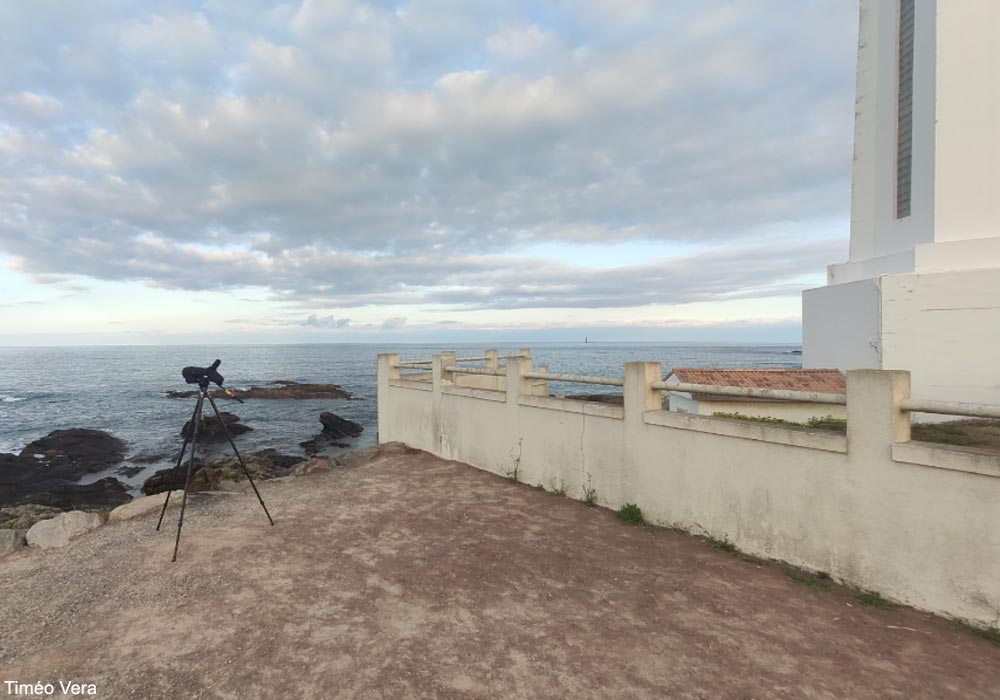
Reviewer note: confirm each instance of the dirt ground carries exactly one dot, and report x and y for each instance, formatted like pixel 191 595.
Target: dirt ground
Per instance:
pixel 412 577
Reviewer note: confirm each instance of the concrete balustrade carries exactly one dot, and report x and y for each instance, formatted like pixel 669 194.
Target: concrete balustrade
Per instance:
pixel 914 521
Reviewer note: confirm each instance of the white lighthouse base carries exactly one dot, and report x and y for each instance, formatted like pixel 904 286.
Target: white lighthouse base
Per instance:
pixel 943 327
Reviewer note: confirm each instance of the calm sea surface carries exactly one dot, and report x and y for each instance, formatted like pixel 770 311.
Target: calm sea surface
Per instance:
pixel 121 389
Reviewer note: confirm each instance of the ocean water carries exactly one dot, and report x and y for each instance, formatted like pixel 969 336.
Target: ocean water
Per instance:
pixel 122 389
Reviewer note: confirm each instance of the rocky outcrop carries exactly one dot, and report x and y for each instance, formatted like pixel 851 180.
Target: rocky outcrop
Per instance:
pixel 23 517
pixel 57 532
pixel 173 479
pixel 144 506
pixel 280 389
pixel 316 465
pixel 209 429
pixel 11 541
pixel 66 455
pixel 102 494
pixel 265 464
pixel 46 469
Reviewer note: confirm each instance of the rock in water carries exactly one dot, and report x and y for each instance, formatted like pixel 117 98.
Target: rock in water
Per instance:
pixel 339 428
pixel 72 454
pixel 335 429
pixel 58 531
pixel 210 431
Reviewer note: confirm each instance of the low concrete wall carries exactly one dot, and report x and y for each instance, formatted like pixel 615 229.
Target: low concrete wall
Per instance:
pixel 916 522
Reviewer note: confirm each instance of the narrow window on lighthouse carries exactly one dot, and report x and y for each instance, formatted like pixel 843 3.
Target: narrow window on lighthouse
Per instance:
pixel 904 145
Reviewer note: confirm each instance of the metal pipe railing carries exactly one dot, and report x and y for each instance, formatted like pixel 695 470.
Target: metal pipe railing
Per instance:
pixel 415 364
pixel 575 378
pixel 756 393
pixel 949 408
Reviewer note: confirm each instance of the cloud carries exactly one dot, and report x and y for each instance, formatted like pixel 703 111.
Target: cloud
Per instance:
pixel 352 153
pixel 314 321
pixel 393 323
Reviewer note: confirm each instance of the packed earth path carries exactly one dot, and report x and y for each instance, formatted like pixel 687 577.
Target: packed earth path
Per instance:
pixel 406 576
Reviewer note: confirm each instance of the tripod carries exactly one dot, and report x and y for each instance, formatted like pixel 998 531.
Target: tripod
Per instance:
pixel 202 376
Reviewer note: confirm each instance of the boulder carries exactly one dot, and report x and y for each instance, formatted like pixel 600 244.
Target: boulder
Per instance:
pixel 144 505
pixel 316 465
pixel 71 454
pixel 209 429
pixel 57 532
pixel 104 493
pixel 24 516
pixel 11 541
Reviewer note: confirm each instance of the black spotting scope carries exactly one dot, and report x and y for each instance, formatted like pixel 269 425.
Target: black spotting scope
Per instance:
pixel 203 375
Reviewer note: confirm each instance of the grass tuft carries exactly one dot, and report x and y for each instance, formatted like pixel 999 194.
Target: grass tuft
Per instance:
pixel 819 581
pixel 872 599
pixel 631 514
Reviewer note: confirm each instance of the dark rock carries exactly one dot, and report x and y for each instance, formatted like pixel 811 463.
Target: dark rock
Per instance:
pixel 320 443
pixel 104 493
pixel 209 429
pixel 281 389
pixel 173 478
pixel 66 454
pixel 129 471
pixel 338 427
pixel 335 429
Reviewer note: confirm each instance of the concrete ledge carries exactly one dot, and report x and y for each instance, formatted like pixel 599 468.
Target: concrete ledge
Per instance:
pixel 469 392
pixel 957 459
pixel 408 384
pixel 809 439
pixel 589 408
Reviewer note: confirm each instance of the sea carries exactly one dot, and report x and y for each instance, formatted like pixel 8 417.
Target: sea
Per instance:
pixel 122 389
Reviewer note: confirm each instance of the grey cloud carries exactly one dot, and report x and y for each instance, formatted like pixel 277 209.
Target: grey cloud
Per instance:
pixel 280 145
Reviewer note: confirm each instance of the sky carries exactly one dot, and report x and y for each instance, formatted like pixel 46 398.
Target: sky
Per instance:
pixel 420 170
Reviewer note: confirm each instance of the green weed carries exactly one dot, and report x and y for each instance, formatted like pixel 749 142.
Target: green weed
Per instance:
pixel 631 514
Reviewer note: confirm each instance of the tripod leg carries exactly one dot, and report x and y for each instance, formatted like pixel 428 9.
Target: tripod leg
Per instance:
pixel 240 458
pixel 177 466
pixel 187 480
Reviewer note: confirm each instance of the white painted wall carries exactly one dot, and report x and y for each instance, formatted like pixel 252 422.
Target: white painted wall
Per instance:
pixel 967 167
pixel 924 535
pixel 841 326
pixel 945 329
